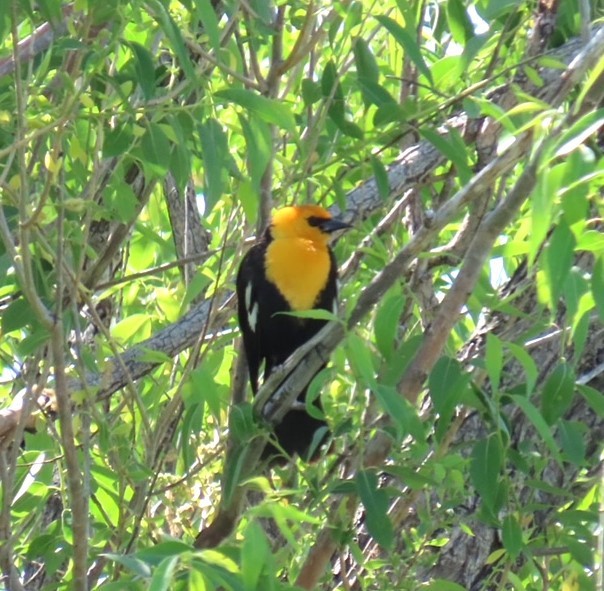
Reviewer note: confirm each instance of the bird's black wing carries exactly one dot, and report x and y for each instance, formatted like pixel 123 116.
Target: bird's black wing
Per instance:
pixel 247 283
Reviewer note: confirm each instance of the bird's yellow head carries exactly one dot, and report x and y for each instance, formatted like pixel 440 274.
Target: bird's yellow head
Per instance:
pixel 310 222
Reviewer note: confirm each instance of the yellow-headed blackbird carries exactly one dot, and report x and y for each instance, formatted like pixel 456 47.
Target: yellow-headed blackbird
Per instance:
pixel 291 268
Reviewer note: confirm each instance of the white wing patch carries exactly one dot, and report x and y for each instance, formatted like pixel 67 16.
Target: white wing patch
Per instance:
pixel 251 308
pixel 334 305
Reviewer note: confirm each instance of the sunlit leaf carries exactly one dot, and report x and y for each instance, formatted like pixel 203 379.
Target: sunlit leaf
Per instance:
pixel 579 132
pixel 459 22
pixel 408 43
pixel 269 110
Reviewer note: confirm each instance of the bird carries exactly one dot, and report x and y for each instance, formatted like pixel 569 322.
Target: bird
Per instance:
pixel 291 268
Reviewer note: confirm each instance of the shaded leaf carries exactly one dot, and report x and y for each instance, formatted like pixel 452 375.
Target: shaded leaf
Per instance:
pixel 511 535
pixel 172 31
pixel 485 469
pixel 366 65
pixel 145 69
pixel 375 502
pixel 572 437
pixel 597 285
pixel 557 393
pixel 558 260
pixel 387 321
pixel 539 423
pixel 214 147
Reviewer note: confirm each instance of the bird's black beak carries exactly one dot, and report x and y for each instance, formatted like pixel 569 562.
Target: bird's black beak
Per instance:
pixel 333 225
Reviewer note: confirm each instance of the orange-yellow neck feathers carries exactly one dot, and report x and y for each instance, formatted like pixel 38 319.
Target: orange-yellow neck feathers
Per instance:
pixel 297 259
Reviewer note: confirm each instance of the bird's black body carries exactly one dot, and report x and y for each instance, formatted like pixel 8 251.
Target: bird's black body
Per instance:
pixel 270 337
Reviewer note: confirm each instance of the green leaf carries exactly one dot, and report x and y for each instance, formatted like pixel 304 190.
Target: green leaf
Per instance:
pixel 594 398
pixel 594 77
pixel 572 437
pixel 330 84
pixel 387 322
pixel 262 9
pixel 135 327
pixel 459 22
pixel 590 240
pixel 315 314
pixel 192 423
pixel 557 393
pixel 311 91
pixel 135 565
pixel 511 534
pixel 163 577
pixel 403 414
pixel 573 290
pixel 366 65
pixel 447 385
pixel 388 113
pixel 377 95
pixel 145 69
pixel 196 580
pixel 156 150
pixel 259 142
pixel 485 470
pixel 375 502
pixel 535 417
pixel 452 150
pixel 172 32
pixel 207 15
pixel 180 164
pixel 214 147
pixel 155 555
pixel 269 110
pixel 559 258
pixel 582 551
pixel 542 202
pixel 586 127
pixel 528 364
pixel 360 359
pixel 494 360
pixel 255 553
pixel 408 43
pixel 597 285
pixel 120 200
pixel 249 197
pixel 118 140
pixel 349 128
pixel 17 315
pixel 234 471
pixel 241 422
pixel 381 178
pixel 153 356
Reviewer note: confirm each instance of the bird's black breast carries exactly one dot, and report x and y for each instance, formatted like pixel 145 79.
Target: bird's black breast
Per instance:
pixel 269 335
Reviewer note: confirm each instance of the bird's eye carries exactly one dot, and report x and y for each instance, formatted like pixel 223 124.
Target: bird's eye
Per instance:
pixel 316 221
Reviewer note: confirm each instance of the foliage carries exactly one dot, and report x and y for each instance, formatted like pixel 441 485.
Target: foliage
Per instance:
pixel 258 104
